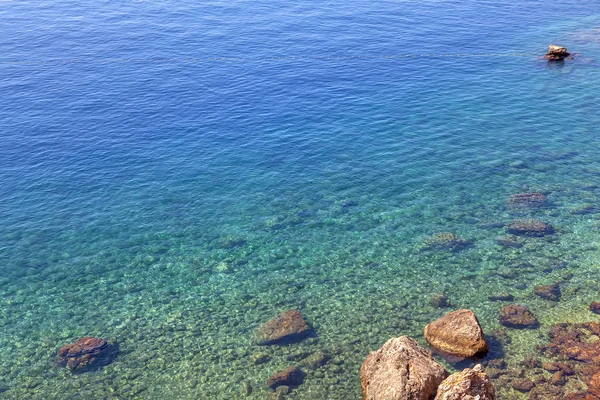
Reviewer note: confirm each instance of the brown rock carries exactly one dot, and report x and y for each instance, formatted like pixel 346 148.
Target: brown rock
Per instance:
pixel 457 334
pixel 86 353
pixel 291 376
pixel 558 366
pixel 527 200
pixel 468 384
pixel 581 396
pixel 579 345
pixel 401 370
pixel 531 362
pixel 445 241
pixel 547 392
pixel 558 378
pixel 556 53
pixel 549 292
pixel 517 316
pixel 595 308
pixel 523 384
pixel 530 227
pixel 288 327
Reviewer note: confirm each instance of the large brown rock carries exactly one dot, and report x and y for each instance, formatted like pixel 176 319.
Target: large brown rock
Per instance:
pixel 401 370
pixel 457 334
pixel 289 326
pixel 556 53
pixel 468 384
pixel 529 227
pixel 86 353
pixel 517 316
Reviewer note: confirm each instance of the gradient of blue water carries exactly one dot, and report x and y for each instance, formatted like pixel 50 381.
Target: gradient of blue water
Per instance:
pixel 100 158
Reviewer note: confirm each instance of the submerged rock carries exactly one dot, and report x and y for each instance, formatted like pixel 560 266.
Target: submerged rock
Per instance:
pixel 439 300
pixel 86 353
pixel 315 360
pixel 579 346
pixel 291 377
pixel 445 241
pixel 509 241
pixel 556 53
pixel 517 316
pixel 457 334
pixel 530 227
pixel 504 296
pixel 401 370
pixel 468 384
pixel 523 384
pixel 549 292
pixel 289 326
pixel 595 308
pixel 527 200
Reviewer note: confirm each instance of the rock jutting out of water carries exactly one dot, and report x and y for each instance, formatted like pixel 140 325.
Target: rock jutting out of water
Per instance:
pixel 556 53
pixel 518 316
pixel 527 200
pixel 445 241
pixel 548 292
pixel 529 227
pixel 401 370
pixel 288 327
pixel 291 376
pixel 457 334
pixel 468 384
pixel 86 354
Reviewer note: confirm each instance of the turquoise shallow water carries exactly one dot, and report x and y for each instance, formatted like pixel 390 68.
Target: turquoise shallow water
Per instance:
pixel 173 207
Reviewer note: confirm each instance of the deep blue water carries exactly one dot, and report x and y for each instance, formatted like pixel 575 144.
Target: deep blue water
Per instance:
pixel 174 205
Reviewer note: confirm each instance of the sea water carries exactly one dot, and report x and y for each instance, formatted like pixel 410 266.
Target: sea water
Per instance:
pixel 172 204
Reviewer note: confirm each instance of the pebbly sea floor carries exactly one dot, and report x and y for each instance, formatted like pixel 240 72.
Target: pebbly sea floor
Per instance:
pixel 174 207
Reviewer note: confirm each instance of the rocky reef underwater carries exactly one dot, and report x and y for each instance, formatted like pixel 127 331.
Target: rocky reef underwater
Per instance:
pixel 523 349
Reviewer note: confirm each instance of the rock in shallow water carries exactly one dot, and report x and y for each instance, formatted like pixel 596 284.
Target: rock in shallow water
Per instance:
pixel 509 241
pixel 523 384
pixel 288 327
pixel 595 308
pixel 549 292
pixel 439 300
pixel 291 376
pixel 401 370
pixel 503 296
pixel 578 346
pixel 517 316
pixel 527 200
pixel 457 334
pixel 469 384
pixel 445 241
pixel 530 227
pixel 86 354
